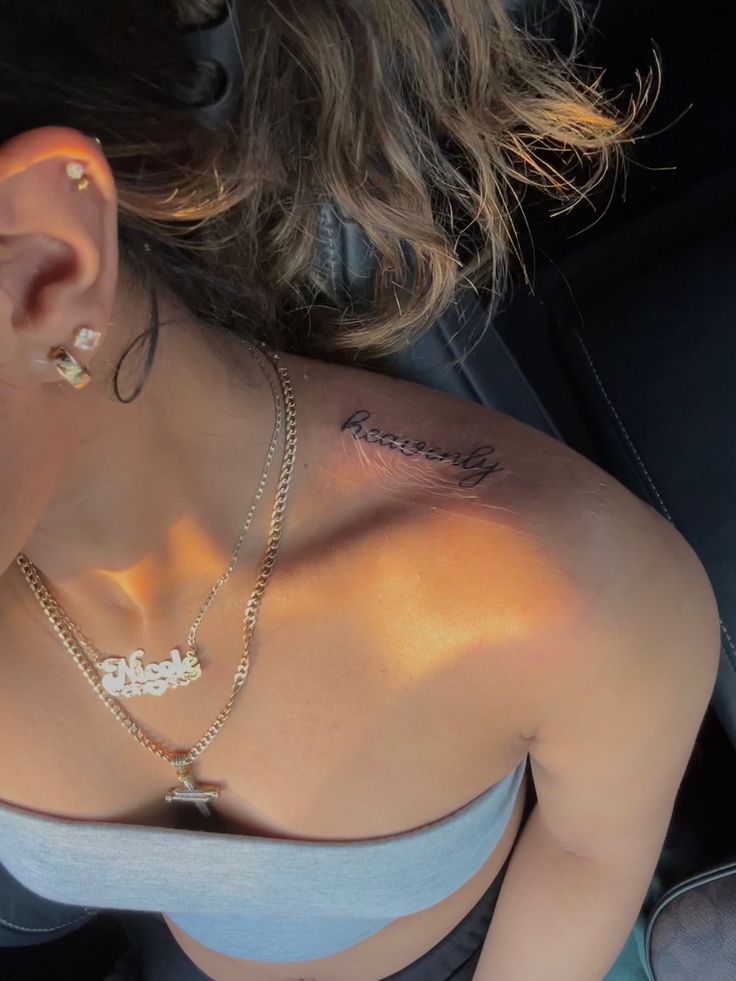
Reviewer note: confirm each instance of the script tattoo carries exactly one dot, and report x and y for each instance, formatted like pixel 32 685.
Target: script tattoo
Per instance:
pixel 476 460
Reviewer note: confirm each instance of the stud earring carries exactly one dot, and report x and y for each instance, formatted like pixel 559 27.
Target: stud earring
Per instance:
pixel 75 170
pixel 86 339
pixel 69 368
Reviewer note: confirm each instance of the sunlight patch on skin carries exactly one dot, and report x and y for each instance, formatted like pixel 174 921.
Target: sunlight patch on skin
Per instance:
pixel 192 550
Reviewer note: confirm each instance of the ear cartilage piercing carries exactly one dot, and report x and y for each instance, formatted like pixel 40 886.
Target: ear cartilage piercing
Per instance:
pixel 75 170
pixel 86 339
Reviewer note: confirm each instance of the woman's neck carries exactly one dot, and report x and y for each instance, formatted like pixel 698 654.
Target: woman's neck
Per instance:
pixel 147 513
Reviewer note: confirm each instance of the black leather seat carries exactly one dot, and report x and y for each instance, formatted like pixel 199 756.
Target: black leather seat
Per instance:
pixel 650 348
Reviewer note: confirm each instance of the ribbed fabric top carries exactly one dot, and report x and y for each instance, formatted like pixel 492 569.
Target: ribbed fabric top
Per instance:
pixel 266 899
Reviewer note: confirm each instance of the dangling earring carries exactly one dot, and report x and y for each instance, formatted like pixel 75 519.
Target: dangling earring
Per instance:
pixel 76 171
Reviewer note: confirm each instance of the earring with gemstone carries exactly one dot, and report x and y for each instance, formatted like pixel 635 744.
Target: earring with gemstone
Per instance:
pixel 86 339
pixel 75 170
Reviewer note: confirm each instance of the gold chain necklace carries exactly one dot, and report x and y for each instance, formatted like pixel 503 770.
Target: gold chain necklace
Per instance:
pixel 182 761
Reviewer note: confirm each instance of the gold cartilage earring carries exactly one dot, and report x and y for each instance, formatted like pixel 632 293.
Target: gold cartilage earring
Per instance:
pixel 69 368
pixel 76 171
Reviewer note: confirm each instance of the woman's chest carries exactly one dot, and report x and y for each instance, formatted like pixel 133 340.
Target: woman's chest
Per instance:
pixel 370 705
pixel 344 732
pixel 351 724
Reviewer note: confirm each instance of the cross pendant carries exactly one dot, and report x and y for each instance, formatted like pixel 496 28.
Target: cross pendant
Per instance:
pixel 192 793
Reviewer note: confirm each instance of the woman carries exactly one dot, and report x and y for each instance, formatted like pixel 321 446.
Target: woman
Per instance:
pixel 448 603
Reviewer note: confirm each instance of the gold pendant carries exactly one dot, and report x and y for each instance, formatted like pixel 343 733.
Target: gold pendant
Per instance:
pixel 193 793
pixel 127 678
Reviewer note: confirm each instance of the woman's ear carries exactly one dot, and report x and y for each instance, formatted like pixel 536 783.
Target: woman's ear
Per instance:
pixel 58 251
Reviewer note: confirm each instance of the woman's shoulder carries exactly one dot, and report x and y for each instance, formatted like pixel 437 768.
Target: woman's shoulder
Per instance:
pixel 525 535
pixel 503 508
pixel 435 452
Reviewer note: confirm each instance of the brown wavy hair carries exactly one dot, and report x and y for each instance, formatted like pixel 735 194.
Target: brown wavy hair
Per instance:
pixel 422 121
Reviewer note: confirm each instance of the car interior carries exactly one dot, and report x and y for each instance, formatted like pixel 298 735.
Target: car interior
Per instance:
pixel 622 345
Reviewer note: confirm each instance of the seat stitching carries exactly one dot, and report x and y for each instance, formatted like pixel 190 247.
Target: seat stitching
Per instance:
pixel 25 929
pixel 622 428
pixel 326 222
pixel 653 486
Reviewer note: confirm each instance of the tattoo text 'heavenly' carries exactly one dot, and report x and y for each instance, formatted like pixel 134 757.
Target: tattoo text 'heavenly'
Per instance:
pixel 476 460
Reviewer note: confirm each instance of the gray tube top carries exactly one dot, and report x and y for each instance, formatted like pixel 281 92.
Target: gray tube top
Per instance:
pixel 265 899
